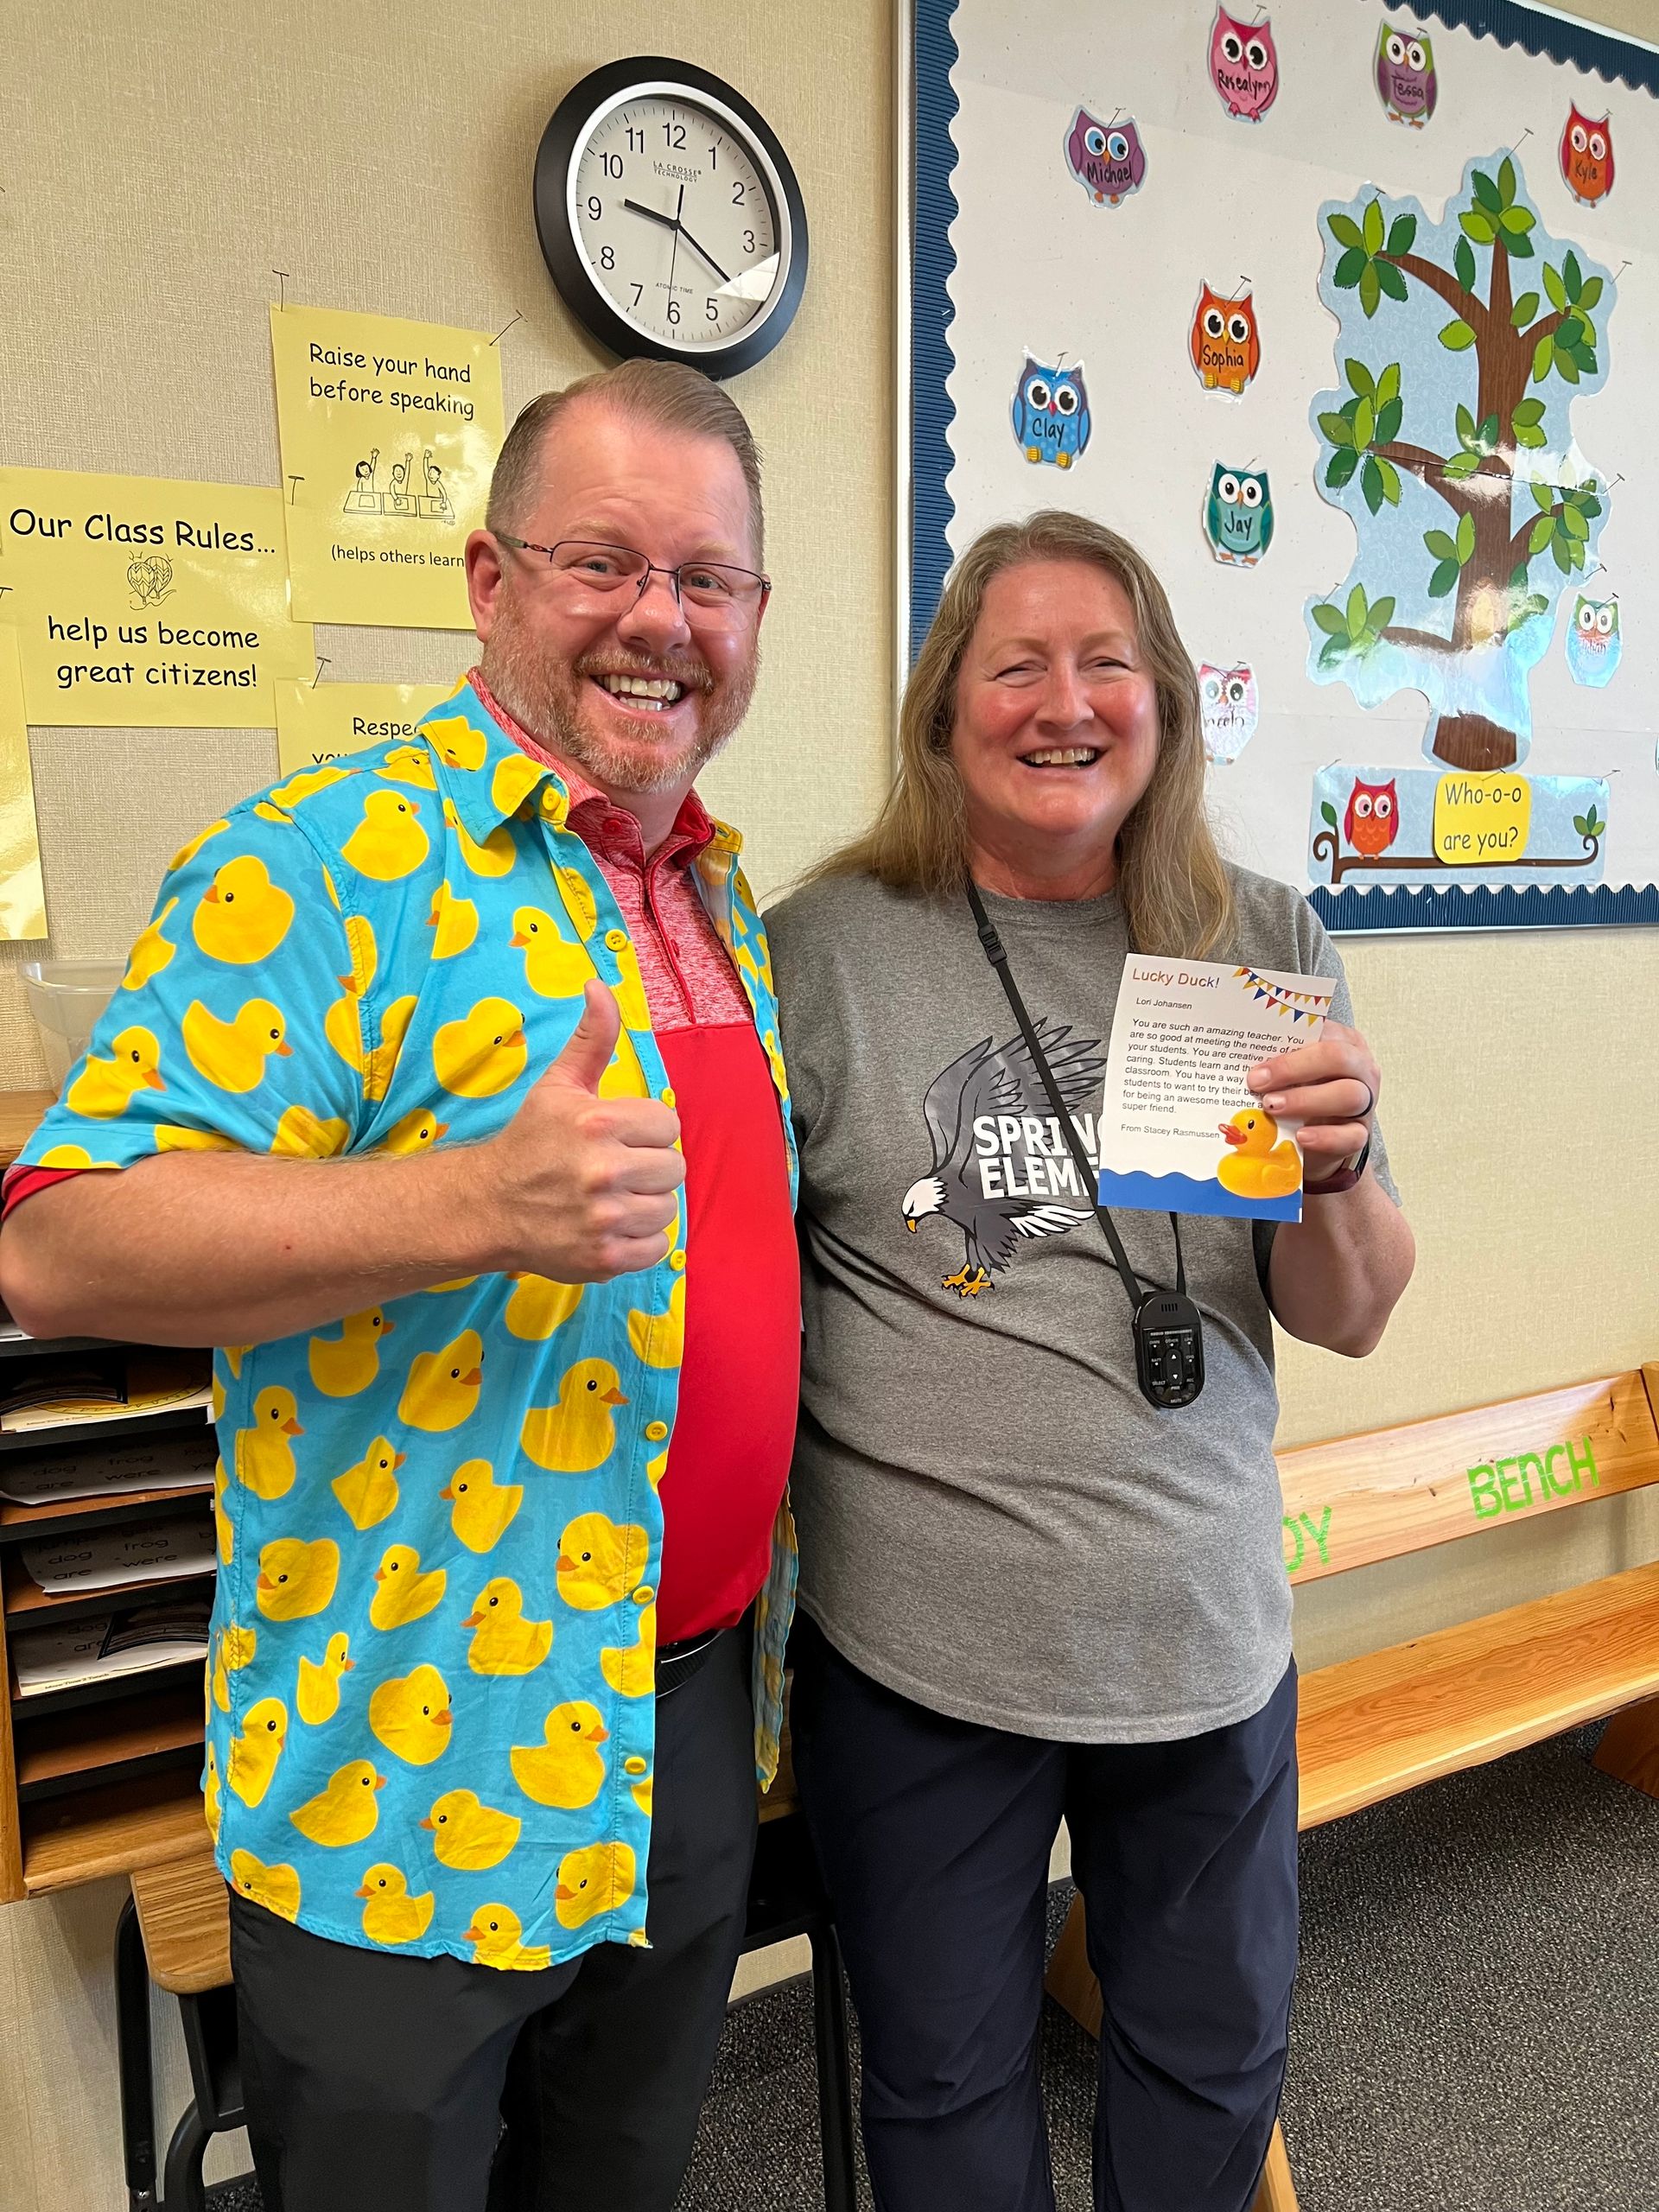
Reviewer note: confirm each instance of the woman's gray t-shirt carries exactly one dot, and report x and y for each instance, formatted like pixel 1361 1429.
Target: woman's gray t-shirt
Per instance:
pixel 993 1520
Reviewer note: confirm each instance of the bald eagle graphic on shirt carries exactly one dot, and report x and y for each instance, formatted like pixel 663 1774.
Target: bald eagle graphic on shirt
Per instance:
pixel 1002 1170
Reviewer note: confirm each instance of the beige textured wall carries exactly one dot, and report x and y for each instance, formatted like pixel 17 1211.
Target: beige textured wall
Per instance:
pixel 159 159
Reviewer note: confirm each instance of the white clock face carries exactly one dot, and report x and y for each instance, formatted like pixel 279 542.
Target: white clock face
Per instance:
pixel 677 217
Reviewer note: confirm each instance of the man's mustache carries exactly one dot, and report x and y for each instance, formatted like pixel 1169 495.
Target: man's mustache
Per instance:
pixel 694 674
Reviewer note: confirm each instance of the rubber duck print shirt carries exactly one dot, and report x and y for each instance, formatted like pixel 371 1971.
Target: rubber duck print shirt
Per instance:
pixel 430 1709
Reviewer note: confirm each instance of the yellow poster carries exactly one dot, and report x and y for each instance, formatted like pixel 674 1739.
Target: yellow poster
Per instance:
pixel 139 601
pixel 317 722
pixel 389 432
pixel 22 905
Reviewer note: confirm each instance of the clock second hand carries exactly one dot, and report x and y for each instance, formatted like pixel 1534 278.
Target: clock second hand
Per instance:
pixel 674 257
pixel 673 223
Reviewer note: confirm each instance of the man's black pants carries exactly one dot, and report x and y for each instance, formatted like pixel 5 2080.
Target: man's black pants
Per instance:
pixel 376 2083
pixel 933 1836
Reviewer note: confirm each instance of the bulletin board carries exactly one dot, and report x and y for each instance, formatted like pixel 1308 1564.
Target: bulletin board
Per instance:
pixel 1346 315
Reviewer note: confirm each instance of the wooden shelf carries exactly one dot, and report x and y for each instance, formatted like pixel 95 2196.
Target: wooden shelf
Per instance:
pixel 27 1605
pixel 128 1429
pixel 21 1113
pixel 140 1682
pixel 64 1744
pixel 111 1829
pixel 63 1515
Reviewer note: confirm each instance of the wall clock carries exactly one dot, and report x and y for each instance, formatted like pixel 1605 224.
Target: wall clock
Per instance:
pixel 669 216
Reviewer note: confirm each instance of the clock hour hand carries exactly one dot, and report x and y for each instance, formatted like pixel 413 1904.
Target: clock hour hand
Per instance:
pixel 704 251
pixel 668 222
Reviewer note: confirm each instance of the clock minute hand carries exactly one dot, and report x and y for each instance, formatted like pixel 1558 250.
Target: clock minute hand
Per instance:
pixel 704 251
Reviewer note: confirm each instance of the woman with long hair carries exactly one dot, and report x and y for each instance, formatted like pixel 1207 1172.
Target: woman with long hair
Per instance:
pixel 1028 1592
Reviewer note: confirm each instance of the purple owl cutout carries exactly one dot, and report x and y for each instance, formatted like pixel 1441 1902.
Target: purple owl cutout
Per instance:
pixel 1244 66
pixel 1107 159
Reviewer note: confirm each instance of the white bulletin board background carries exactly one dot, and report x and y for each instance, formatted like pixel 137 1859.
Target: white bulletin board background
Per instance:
pixel 1040 268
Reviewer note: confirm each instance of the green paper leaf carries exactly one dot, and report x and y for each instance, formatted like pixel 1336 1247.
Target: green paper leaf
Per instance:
pixel 1360 377
pixel 1529 434
pixel 1388 419
pixel 1575 521
pixel 1521 247
pixel 1364 424
pixel 1381 614
pixel 1461 465
pixel 1566 366
pixel 1388 384
pixel 1465 537
pixel 1466 422
pixel 1590 295
pixel 1541 532
pixel 1457 337
pixel 1441 544
pixel 1402 232
pixel 1337 428
pixel 1370 484
pixel 1486 193
pixel 1516 222
pixel 1329 619
pixel 1333 650
pixel 1543 495
pixel 1371 226
pixel 1573 276
pixel 1391 281
pixel 1355 619
pixel 1543 353
pixel 1506 182
pixel 1390 476
pixel 1347 231
pixel 1575 552
pixel 1462 260
pixel 1443 580
pixel 1581 823
pixel 1524 309
pixel 1328 812
pixel 1479 227
pixel 1557 547
pixel 1346 273
pixel 1371 288
pixel 1343 464
pixel 1554 287
pixel 1486 436
pixel 1528 411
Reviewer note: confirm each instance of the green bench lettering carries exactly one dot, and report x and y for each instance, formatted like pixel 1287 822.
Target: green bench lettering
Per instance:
pixel 1530 1478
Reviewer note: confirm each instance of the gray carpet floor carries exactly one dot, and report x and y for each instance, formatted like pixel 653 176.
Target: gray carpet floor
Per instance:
pixel 1476 2028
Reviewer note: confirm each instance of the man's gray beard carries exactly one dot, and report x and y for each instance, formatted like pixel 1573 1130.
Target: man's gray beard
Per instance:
pixel 543 696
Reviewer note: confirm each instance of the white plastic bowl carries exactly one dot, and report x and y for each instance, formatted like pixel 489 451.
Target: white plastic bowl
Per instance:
pixel 65 998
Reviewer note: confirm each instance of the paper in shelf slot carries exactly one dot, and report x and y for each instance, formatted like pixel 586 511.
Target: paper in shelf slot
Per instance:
pixel 148 1383
pixel 133 1641
pixel 177 1459
pixel 110 1559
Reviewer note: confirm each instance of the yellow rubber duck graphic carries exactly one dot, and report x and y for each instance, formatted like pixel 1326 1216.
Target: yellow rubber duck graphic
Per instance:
pixel 151 952
pixel 514 780
pixel 106 1087
pixel 318 1693
pixel 659 1339
pixel 504 1642
pixel 222 1528
pixel 212 1810
pixel 1259 1167
pixel 243 916
pixel 467 1836
pixel 343 1026
pixel 76 1156
pixel 307 783
pixel 483 1053
pixel 624 1078
pixel 568 1769
pixel 455 922
pixel 594 1879
pixel 632 1670
pixel 402 1593
pixel 456 743
pixel 263 1456
pixel 409 764
pixel 391 1916
pixel 539 1305
pixel 495 1935
pixel 416 1132
pixel 343 1365
pixel 368 1490
pixel 389 843
pixel 579 1434
pixel 441 1390
pixel 411 1715
pixel 479 1507
pixel 276 1888
pixel 578 897
pixel 639 1790
pixel 232 1055
pixel 297 1578
pixel 188 850
pixel 554 969
pixel 495 856
pixel 345 1811
pixel 301 1135
pixel 233 1648
pixel 600 1561
pixel 255 1752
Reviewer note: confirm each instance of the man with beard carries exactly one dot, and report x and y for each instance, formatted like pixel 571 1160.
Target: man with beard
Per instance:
pixel 443 1089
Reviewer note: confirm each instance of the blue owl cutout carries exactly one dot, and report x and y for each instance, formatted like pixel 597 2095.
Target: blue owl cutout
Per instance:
pixel 1238 515
pixel 1051 413
pixel 1594 643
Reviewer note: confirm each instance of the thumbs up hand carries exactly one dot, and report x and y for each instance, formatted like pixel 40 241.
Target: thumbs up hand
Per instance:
pixel 582 1188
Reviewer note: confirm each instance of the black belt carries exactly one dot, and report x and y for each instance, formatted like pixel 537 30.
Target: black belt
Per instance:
pixel 677 1662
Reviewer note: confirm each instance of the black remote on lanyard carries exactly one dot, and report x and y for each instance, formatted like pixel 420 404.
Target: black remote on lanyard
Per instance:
pixel 1168 1327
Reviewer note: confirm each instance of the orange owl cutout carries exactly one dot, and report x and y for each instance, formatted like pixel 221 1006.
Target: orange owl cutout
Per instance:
pixel 1372 821
pixel 1587 158
pixel 1225 343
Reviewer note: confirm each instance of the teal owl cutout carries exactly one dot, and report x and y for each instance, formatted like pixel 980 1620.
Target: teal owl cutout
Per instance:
pixel 1593 643
pixel 1238 515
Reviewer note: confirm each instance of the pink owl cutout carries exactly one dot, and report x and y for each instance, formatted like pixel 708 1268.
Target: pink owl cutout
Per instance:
pixel 1244 66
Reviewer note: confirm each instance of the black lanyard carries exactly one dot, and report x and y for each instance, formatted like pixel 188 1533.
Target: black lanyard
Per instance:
pixel 1167 1328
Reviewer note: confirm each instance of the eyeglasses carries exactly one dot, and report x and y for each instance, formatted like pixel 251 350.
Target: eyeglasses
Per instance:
pixel 710 586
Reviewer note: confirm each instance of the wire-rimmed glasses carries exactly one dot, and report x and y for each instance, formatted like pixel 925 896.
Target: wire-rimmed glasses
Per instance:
pixel 714 588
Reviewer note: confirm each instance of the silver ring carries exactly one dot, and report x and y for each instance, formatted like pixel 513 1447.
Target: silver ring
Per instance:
pixel 1371 1100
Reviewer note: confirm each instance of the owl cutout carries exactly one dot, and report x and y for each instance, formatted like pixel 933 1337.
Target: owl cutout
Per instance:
pixel 1107 159
pixel 1227 707
pixel 1224 341
pixel 1405 76
pixel 1244 66
pixel 1238 515
pixel 1051 413
pixel 1372 821
pixel 1587 158
pixel 1594 646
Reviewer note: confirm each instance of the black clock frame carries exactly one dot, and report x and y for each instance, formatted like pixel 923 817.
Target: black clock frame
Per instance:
pixel 567 264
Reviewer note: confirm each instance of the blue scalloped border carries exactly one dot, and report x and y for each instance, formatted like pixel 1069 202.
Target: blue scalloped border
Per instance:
pixel 933 259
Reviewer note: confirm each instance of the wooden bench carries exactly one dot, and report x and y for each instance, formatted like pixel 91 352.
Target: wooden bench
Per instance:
pixel 1387 1721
